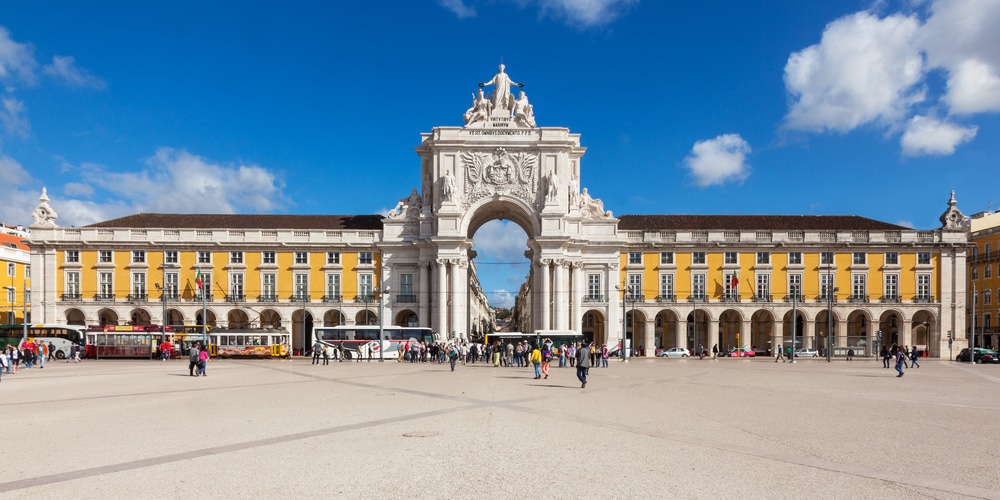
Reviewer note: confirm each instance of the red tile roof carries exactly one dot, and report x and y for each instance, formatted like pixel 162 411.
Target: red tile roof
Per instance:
pixel 245 221
pixel 754 222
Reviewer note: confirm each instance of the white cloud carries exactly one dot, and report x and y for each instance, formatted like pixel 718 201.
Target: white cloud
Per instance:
pixel 458 8
pixel 17 63
pixel 78 189
pixel 905 223
pixel 586 13
pixel 864 70
pixel 501 298
pixel 504 240
pixel 961 37
pixel 12 117
pixel 929 136
pixel 716 161
pixel 64 68
pixel 12 173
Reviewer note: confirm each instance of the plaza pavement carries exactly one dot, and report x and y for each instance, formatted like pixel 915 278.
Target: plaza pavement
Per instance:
pixel 651 428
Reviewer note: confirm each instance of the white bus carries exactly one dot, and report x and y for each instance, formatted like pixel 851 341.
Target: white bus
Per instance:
pixel 363 340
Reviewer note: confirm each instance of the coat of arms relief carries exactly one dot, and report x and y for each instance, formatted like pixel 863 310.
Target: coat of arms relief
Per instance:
pixel 499 173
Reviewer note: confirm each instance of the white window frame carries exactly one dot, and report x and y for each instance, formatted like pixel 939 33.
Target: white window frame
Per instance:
pixel 826 258
pixel 667 286
pixel 301 283
pixel 594 286
pixel 699 288
pixel 301 257
pixel 333 257
pixel 731 258
pixel 105 257
pixel 634 288
pixel 924 286
pixel 237 284
pixel 204 257
pixel 891 288
pixel 859 283
pixel 366 285
pixel 698 258
pixel 763 285
pixel 138 256
pixel 269 285
pixel 728 291
pixel 106 283
pixel 406 286
pixel 795 286
pixel 892 258
pixel 826 281
pixel 333 286
pixel 235 257
pixel 859 258
pixel 795 258
pixel 635 257
pixel 366 258
pixel 172 284
pixel 268 257
pixel 170 257
pixel 666 258
pixel 763 257
pixel 73 283
pixel 73 256
pixel 923 258
pixel 138 284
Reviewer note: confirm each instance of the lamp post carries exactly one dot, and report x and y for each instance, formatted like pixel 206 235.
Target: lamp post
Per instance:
pixel 795 318
pixel 381 326
pixel 24 305
pixel 830 290
pixel 972 332
pixel 624 332
pixel 163 300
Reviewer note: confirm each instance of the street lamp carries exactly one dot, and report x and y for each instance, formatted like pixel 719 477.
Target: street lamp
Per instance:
pixel 795 319
pixel 624 332
pixel 163 322
pixel 24 304
pixel 381 328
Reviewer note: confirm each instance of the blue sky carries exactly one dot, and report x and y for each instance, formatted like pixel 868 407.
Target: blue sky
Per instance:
pixel 719 107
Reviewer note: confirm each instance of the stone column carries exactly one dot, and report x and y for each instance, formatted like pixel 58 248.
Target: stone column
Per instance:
pixel 546 294
pixel 808 334
pixel 906 334
pixel 560 296
pixel 424 299
pixel 576 309
pixel 841 339
pixel 442 298
pixel 745 333
pixel 680 336
pixel 459 287
pixel 713 335
pixel 649 338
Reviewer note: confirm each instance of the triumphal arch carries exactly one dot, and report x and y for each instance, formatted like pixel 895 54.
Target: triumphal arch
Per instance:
pixel 501 165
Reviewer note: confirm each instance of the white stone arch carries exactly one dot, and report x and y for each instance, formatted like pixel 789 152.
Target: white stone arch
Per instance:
pixel 501 208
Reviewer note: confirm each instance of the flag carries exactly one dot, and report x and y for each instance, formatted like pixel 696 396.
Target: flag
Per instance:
pixel 197 278
pixel 735 282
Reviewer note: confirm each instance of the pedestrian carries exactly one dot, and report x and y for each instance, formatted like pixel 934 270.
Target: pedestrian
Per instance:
pixel 536 360
pixel 900 361
pixel 777 355
pixel 327 354
pixel 317 351
pixel 203 362
pixel 15 359
pixel 52 351
pixel 453 355
pixel 914 356
pixel 605 354
pixel 43 352
pixel 906 354
pixel 562 356
pixel 701 351
pixel 884 352
pixel 4 362
pixel 850 354
pixel 546 359
pixel 715 351
pixel 194 357
pixel 582 364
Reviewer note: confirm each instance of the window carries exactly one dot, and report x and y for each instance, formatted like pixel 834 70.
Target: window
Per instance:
pixel 795 258
pixel 989 250
pixel 267 258
pixel 975 273
pixel 236 285
pixel 138 286
pixel 333 257
pixel 27 272
pixel 172 282
pixel 235 257
pixel 731 286
pixel 11 269
pixel 924 287
pixel 364 257
pixel 891 258
pixel 106 289
pixel 975 252
pixel 892 287
pixel 138 256
pixel 860 258
pixel 763 257
pixel 987 271
pixel 594 287
pixel 73 284
pixel 170 256
pixel 697 257
pixel 635 257
pixel 635 288
pixel 204 257
pixel 923 257
pixel 365 287
pixel 763 286
pixel 987 297
pixel 698 286
pixel 269 286
pixel 666 257
pixel 301 257
pixel 206 286
pixel 104 256
pixel 27 300
pixel 73 256
pixel 667 287
pixel 302 287
pixel 333 287
pixel 731 258
pixel 859 286
pixel 406 288
pixel 825 286
pixel 987 322
pixel 10 295
pixel 795 286
pixel 826 258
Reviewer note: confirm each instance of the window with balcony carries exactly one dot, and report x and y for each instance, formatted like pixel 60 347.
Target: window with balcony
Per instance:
pixel 795 287
pixel 698 287
pixel 405 293
pixel 236 288
pixel 763 287
pixel 859 287
pixel 72 286
pixel 891 290
pixel 924 288
pixel 366 287
pixel 138 286
pixel 72 256
pixel 826 281
pixel 268 287
pixel 731 287
pixel 666 288
pixel 594 288
pixel 635 288
pixel 206 287
pixel 105 286
pixel 301 287
pixel 171 290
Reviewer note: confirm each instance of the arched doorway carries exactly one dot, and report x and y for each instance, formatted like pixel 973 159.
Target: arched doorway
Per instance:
pixel 698 334
pixel 211 319
pixel 824 322
pixel 302 326
pixel 333 318
pixel 269 318
pixel 761 329
pixel 406 317
pixel 237 318
pixel 139 317
pixel 889 324
pixel 801 339
pixel 924 334
pixel 666 329
pixel 174 318
pixel 366 317
pixel 858 333
pixel 635 328
pixel 593 327
pixel 75 317
pixel 107 317
pixel 729 331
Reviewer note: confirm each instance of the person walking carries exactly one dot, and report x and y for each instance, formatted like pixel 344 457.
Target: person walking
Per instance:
pixel 52 351
pixel 900 361
pixel 701 351
pixel 715 351
pixel 546 359
pixel 582 364
pixel 43 352
pixel 536 360
pixel 203 362
pixel 884 352
pixel 605 354
pixel 317 352
pixel 777 355
pixel 194 357
pixel 4 362
pixel 850 354
pixel 914 356
pixel 327 354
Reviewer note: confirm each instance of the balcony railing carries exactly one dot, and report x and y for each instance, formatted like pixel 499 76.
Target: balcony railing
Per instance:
pixel 207 296
pixel 105 297
pixel 890 299
pixel 731 297
pixel 267 297
pixel 364 299
pixel 72 296
pixel 794 298
pixel 826 298
pixel 407 298
pixel 236 297
pixel 299 298
pixel 762 298
pixel 666 298
pixel 138 297
pixel 333 298
pixel 170 296
pixel 698 297
pixel 856 299
pixel 923 299
pixel 594 298
pixel 635 297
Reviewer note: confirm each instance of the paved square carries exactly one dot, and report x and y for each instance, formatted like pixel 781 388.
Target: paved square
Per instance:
pixel 650 428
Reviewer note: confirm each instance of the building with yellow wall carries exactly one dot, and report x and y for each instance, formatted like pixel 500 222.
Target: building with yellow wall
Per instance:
pixel 984 278
pixel 16 275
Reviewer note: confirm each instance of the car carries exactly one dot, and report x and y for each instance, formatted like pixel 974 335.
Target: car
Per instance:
pixel 675 352
pixel 982 355
pixel 807 353
pixel 740 352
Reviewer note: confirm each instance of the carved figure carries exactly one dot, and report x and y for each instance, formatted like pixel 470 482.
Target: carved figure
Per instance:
pixel 448 187
pixel 552 187
pixel 523 111
pixel 480 110
pixel 502 98
pixel 592 208
pixel 405 204
pixel 574 192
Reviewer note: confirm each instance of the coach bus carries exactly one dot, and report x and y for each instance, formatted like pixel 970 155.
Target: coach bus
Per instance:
pixel 362 340
pixel 62 337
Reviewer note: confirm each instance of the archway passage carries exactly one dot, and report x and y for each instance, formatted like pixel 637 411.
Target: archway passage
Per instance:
pixel 594 328
pixel 107 317
pixel 269 318
pixel 500 264
pixel 75 317
pixel 667 330
pixel 238 319
pixel 139 317
pixel 406 317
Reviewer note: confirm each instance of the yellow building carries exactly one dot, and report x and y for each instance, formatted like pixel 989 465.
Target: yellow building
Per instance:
pixel 15 262
pixel 984 278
